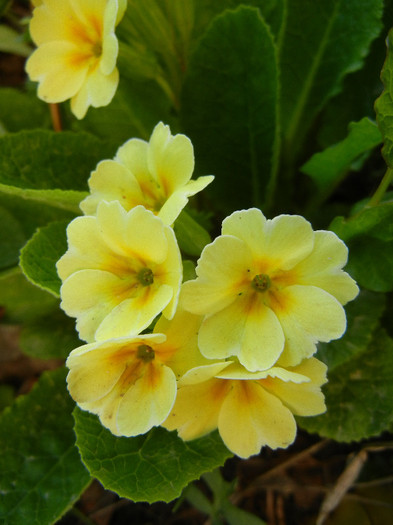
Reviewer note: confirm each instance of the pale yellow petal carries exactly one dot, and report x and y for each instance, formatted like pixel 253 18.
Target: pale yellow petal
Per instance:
pixel 94 373
pixel 112 181
pixel 323 266
pixel 249 226
pixel 98 90
pixel 134 314
pixel 86 248
pixel 89 295
pixel 133 155
pixel 196 408
pixel 223 270
pixel 170 272
pixel 305 399
pixel 147 402
pixel 59 69
pixel 288 239
pixel 180 352
pixel 203 373
pixel 312 310
pixel 237 371
pixel 170 158
pixel 179 199
pixel 47 23
pixel 247 329
pixel 251 418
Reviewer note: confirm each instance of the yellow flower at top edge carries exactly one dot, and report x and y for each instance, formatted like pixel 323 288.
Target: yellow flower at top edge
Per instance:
pixel 250 409
pixel 120 271
pixel 77 51
pixel 130 382
pixel 155 174
pixel 269 290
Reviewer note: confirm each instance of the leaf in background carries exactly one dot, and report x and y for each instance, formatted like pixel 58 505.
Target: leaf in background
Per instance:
pixel 22 110
pixel 369 236
pixel 12 42
pixel 190 235
pixel 49 337
pixel 22 301
pixel 41 474
pixel 384 104
pixel 363 315
pixel 39 256
pixel 152 467
pixel 36 164
pixel 230 108
pixel 359 395
pixel 323 42
pixel 328 167
pixel 11 239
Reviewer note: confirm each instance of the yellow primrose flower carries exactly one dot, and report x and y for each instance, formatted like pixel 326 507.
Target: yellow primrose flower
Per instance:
pixel 129 382
pixel 155 174
pixel 269 288
pixel 250 409
pixel 120 271
pixel 77 51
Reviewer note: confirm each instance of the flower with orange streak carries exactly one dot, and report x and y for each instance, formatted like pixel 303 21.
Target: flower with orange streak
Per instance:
pixel 269 290
pixel 250 409
pixel 77 51
pixel 120 271
pixel 155 174
pixel 130 383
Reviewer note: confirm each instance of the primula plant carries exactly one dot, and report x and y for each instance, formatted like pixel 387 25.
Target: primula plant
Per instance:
pixel 196 242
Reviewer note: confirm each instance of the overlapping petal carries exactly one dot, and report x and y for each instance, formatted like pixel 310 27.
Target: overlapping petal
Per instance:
pixel 155 174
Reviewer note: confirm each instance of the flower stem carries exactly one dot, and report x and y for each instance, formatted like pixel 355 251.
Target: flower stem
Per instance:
pixel 383 186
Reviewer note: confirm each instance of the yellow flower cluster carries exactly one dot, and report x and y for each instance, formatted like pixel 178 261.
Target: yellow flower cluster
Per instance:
pixel 232 349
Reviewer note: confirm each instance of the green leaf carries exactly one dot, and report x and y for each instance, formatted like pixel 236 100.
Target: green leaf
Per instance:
pixel 21 301
pixel 359 395
pixel 191 236
pixel 39 256
pixel 363 315
pixel 12 42
pixel 230 108
pixel 369 237
pixel 329 166
pixel 36 164
pixel 152 467
pixel 11 239
pixel 49 337
pixel 41 474
pixel 323 42
pixel 384 104
pixel 22 110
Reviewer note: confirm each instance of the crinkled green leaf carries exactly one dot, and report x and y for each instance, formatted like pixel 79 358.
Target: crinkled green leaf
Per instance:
pixel 41 474
pixel 369 237
pixel 190 235
pixel 363 316
pixel 323 42
pixel 384 104
pixel 359 395
pixel 22 110
pixel 152 467
pixel 327 167
pixel 49 337
pixel 37 164
pixel 21 301
pixel 229 108
pixel 39 256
